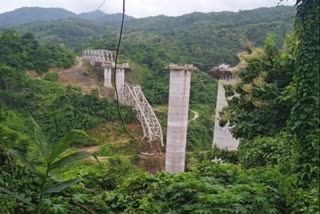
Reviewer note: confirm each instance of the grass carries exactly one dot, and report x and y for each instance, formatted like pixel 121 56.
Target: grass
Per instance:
pixel 15 120
pixel 138 73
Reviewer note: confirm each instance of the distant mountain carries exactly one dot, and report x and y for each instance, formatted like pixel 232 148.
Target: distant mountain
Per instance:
pixel 33 14
pixel 205 39
pixel 99 16
pixel 94 15
pixel 115 17
pixel 37 14
pixel 196 20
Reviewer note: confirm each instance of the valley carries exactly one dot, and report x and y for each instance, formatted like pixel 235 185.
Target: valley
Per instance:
pixel 64 149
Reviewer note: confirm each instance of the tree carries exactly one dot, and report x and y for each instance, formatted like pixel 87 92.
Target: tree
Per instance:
pixel 51 158
pixel 256 103
pixel 305 114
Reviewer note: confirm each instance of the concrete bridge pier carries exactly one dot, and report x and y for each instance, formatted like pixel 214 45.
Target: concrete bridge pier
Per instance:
pixel 179 92
pixel 222 137
pixel 120 77
pixel 107 77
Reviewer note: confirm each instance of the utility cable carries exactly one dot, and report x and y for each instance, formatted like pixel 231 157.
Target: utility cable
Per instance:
pixel 101 4
pixel 115 70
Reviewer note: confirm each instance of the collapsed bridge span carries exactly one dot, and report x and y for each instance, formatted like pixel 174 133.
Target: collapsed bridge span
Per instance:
pixel 131 95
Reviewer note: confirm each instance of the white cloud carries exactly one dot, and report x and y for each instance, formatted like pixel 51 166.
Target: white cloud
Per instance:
pixel 143 8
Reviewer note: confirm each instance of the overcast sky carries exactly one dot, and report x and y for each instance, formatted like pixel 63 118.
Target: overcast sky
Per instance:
pixel 144 8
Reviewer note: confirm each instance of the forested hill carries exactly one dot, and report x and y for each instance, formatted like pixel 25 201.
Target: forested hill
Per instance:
pixel 35 14
pixel 32 14
pixel 273 108
pixel 203 39
pixel 194 21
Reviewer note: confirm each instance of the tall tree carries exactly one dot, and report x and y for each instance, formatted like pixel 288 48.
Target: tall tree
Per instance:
pixel 305 112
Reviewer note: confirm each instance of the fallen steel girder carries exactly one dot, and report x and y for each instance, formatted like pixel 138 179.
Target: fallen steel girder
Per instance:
pixel 132 95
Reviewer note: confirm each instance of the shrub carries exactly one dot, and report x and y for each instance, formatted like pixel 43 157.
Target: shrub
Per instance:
pixel 51 76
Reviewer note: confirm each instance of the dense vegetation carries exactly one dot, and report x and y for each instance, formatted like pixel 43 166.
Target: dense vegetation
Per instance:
pixel 273 109
pixel 201 39
pixel 262 107
pixel 23 52
pixel 278 96
pixel 56 108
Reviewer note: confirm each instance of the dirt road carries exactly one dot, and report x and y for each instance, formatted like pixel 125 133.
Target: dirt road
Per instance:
pixel 77 75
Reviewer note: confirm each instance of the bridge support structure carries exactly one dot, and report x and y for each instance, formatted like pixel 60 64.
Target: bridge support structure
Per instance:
pixel 222 137
pixel 107 76
pixel 120 77
pixel 130 95
pixel 179 92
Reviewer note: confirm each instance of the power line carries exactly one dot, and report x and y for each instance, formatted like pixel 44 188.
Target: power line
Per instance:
pixel 104 1
pixel 115 70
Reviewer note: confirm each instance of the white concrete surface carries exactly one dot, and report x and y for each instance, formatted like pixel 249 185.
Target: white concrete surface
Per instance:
pixel 179 92
pixel 222 137
pixel 107 77
pixel 119 81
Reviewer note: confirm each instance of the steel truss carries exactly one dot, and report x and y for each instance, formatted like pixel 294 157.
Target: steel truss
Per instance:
pixel 101 56
pixel 132 95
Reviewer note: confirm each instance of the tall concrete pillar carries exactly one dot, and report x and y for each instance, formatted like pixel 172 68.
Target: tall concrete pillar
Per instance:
pixel 120 77
pixel 222 137
pixel 119 80
pixel 179 92
pixel 107 77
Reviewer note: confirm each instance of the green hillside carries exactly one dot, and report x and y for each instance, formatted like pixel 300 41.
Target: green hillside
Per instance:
pixel 27 15
pixel 63 149
pixel 32 14
pixel 200 38
pixel 207 39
